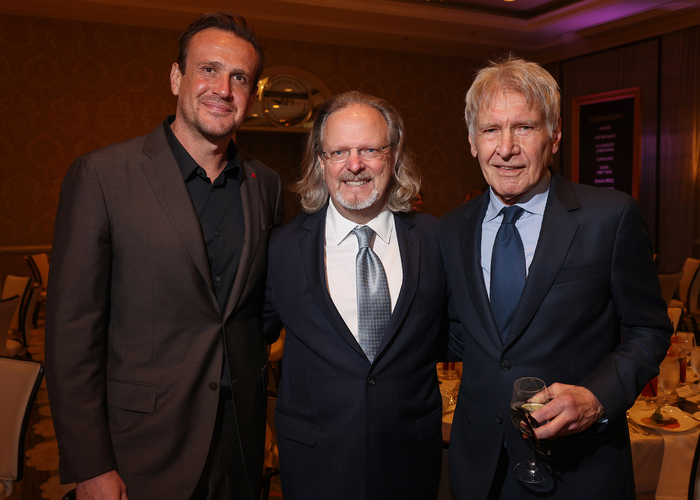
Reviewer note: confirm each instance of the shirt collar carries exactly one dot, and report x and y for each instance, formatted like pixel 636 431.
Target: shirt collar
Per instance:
pixel 187 164
pixel 533 202
pixel 338 228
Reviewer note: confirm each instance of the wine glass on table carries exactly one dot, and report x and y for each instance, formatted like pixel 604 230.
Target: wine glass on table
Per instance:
pixel 529 395
pixel 695 361
pixel 669 375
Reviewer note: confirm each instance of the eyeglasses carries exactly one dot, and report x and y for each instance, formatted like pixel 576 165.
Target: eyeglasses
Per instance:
pixel 340 155
pixel 526 424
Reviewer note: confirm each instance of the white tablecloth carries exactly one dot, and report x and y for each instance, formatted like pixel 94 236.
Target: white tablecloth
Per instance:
pixel 662 461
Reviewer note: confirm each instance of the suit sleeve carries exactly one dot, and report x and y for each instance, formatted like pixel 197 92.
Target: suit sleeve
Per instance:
pixel 77 317
pixel 643 319
pixel 272 325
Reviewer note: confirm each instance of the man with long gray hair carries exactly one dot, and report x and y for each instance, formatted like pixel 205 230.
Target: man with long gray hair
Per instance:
pixel 359 285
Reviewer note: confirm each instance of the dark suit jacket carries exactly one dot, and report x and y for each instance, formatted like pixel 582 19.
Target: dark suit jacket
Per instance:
pixel 348 428
pixel 591 314
pixel 134 332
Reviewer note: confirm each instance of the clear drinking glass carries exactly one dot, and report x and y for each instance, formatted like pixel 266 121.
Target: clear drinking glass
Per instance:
pixel 522 403
pixel 695 361
pixel 669 375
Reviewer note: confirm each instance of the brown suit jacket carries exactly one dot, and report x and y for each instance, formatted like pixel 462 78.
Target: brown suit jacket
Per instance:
pixel 134 332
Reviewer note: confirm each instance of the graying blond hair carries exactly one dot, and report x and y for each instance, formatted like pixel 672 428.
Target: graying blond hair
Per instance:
pixel 405 183
pixel 513 74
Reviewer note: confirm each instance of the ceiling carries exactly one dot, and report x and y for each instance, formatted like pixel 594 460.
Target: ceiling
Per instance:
pixel 542 30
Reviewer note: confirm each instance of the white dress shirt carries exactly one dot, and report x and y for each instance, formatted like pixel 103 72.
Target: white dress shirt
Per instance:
pixel 529 225
pixel 341 252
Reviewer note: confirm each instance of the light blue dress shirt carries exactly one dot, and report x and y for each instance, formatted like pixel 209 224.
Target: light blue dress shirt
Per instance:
pixel 529 225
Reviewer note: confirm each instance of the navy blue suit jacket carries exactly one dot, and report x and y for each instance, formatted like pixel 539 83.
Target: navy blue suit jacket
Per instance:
pixel 591 314
pixel 348 428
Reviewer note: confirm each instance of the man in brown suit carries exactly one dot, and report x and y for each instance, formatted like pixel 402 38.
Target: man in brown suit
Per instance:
pixel 155 357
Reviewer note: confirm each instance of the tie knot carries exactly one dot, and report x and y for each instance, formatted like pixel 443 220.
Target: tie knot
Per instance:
pixel 364 235
pixel 511 214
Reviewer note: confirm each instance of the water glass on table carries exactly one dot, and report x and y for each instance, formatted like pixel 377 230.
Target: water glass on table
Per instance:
pixel 669 375
pixel 695 361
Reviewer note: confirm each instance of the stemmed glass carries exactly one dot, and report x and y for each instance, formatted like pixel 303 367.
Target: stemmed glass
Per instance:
pixel 522 403
pixel 695 361
pixel 669 375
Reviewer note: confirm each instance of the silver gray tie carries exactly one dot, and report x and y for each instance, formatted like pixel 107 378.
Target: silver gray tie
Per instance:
pixel 373 300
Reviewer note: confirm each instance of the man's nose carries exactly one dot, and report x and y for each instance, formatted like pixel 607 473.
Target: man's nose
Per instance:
pixel 353 163
pixel 222 87
pixel 508 146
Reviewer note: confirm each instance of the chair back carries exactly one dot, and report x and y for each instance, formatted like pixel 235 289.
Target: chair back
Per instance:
pixel 19 383
pixel 676 314
pixel 41 265
pixel 669 285
pixel 8 307
pixel 690 269
pixel 27 313
pixel 16 285
pixel 691 304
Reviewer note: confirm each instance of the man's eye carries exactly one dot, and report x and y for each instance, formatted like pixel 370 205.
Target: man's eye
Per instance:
pixel 370 150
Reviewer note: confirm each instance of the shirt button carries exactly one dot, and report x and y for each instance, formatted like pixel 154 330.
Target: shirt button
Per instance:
pixel 217 233
pixel 217 279
pixel 499 419
pixel 505 365
pixel 213 189
pixel 371 381
pixel 213 386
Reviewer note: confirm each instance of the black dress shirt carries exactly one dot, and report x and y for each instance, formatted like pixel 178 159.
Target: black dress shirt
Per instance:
pixel 220 210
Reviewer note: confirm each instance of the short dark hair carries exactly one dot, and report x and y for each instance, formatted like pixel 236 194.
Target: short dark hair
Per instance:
pixel 225 21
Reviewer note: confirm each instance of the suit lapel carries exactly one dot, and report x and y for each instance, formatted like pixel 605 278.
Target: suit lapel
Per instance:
pixel 169 187
pixel 469 235
pixel 409 248
pixel 556 236
pixel 312 249
pixel 250 199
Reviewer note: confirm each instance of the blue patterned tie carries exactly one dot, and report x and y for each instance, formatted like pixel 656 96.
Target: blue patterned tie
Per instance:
pixel 507 270
pixel 373 301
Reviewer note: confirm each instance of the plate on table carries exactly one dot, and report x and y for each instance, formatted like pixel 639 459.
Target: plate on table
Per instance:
pixel 683 420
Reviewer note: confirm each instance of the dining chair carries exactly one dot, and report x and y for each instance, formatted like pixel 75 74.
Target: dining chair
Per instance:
pixel 8 306
pixel 19 384
pixel 676 315
pixel 39 265
pixel 669 285
pixel 272 464
pixel 689 290
pixel 16 285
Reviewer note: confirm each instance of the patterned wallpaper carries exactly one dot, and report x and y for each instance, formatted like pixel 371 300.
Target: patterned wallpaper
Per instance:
pixel 68 87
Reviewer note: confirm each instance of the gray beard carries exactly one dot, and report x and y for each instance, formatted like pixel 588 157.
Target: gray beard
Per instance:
pixel 359 204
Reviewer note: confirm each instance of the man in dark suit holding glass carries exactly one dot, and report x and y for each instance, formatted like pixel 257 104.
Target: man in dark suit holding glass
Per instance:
pixel 548 279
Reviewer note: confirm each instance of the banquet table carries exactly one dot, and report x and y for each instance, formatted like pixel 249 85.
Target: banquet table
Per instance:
pixel 662 459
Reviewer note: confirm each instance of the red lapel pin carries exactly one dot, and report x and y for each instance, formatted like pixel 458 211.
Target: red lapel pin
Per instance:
pixel 253 175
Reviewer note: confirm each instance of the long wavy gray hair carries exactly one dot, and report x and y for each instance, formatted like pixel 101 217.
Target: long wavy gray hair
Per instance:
pixel 405 183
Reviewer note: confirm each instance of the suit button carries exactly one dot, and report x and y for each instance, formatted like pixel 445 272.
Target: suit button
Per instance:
pixel 371 381
pixel 213 386
pixel 499 419
pixel 505 365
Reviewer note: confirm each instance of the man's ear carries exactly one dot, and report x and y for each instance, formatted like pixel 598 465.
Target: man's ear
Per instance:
pixel 175 77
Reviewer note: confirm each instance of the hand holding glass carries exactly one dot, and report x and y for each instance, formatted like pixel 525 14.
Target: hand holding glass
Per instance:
pixel 522 403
